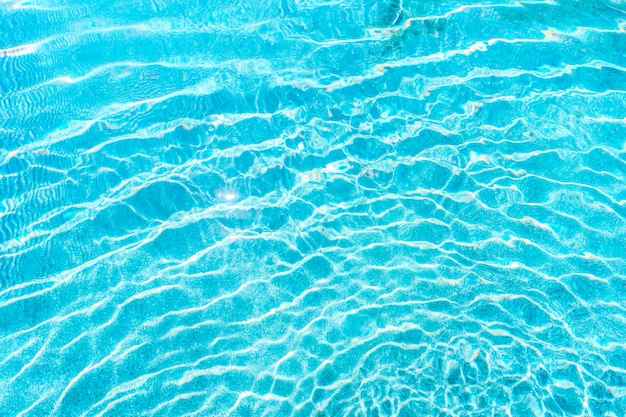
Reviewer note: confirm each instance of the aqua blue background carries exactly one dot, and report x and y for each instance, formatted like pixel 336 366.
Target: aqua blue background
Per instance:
pixel 342 208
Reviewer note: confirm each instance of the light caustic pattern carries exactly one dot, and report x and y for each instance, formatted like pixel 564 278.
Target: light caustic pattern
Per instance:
pixel 308 208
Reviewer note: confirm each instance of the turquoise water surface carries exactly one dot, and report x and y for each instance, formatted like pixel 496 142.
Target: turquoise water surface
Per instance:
pixel 313 208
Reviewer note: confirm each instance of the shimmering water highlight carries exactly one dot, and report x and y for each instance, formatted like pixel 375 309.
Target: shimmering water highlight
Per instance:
pixel 313 208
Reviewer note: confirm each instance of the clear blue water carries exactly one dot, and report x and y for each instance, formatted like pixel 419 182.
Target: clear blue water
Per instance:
pixel 313 208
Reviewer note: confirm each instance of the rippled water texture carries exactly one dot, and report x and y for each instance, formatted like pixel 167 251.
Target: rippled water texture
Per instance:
pixel 309 208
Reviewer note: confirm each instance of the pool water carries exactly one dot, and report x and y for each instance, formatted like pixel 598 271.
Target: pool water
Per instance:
pixel 313 208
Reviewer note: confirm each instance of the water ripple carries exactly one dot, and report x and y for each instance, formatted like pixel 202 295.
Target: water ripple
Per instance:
pixel 313 208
